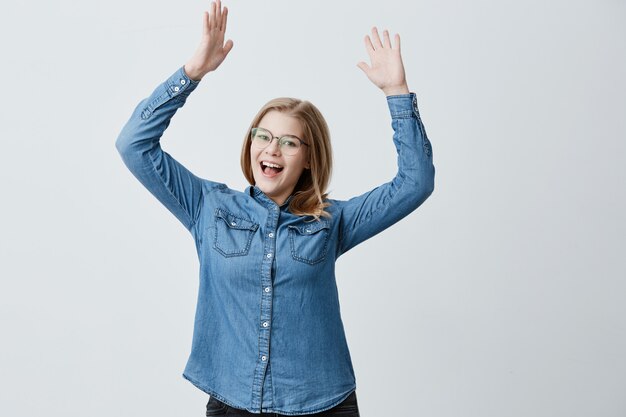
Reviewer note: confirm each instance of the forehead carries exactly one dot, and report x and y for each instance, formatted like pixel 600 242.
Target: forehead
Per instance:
pixel 281 124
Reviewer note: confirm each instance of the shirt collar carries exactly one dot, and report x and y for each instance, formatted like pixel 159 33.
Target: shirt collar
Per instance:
pixel 256 193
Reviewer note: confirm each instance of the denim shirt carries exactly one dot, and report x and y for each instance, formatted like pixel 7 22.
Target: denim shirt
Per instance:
pixel 268 335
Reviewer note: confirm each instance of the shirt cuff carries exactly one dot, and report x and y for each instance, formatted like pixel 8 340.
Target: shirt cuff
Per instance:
pixel 402 105
pixel 179 83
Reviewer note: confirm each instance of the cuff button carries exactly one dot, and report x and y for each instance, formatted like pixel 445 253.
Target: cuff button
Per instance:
pixel 182 81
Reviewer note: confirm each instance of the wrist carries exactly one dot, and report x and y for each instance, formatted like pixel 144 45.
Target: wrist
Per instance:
pixel 396 90
pixel 193 73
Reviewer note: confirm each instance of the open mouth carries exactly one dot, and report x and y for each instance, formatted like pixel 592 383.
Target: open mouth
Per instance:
pixel 269 169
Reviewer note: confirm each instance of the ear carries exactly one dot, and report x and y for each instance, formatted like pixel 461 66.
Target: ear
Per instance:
pixel 307 165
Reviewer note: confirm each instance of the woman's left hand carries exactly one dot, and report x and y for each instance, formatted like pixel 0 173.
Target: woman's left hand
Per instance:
pixel 387 70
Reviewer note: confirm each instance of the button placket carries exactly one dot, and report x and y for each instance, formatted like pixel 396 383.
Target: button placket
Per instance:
pixel 415 109
pixel 269 249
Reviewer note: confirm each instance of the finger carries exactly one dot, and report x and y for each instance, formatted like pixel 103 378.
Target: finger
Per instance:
pixel 368 46
pixel 397 42
pixel 364 67
pixel 205 22
pixel 212 16
pixel 224 18
pixel 218 15
pixel 376 39
pixel 386 40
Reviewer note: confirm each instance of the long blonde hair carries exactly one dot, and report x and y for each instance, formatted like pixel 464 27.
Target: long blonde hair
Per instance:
pixel 310 191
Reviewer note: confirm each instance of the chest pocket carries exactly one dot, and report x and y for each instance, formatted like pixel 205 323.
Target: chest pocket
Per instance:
pixel 309 242
pixel 233 234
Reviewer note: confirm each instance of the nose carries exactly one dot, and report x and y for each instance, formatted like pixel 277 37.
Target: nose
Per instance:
pixel 273 148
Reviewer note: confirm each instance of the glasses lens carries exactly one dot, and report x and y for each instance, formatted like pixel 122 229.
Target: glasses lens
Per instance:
pixel 289 145
pixel 261 137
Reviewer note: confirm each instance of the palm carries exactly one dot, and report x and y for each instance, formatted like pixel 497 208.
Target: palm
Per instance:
pixel 212 50
pixel 386 70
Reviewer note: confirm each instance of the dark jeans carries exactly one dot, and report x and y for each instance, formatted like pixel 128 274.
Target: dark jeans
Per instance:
pixel 346 408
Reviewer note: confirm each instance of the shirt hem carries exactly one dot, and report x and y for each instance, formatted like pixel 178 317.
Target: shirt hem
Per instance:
pixel 220 397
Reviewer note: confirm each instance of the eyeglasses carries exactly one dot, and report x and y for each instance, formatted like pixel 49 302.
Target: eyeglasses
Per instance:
pixel 288 144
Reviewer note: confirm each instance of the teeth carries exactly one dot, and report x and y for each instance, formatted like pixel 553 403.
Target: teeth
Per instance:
pixel 269 164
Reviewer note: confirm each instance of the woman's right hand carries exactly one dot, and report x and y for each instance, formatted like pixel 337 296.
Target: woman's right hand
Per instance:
pixel 212 50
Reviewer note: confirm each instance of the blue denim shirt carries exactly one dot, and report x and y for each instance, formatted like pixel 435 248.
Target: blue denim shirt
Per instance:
pixel 268 335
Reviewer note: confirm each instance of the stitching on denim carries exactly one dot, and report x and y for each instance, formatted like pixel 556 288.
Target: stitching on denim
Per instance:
pixel 253 225
pixel 210 391
pixel 292 241
pixel 272 384
pixel 313 411
pixel 152 106
pixel 425 142
pixel 249 230
pixel 222 407
pixel 402 114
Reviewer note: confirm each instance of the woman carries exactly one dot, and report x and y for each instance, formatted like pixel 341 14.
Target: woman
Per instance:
pixel 268 335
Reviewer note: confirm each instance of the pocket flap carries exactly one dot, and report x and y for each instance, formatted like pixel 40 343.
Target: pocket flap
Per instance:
pixel 235 222
pixel 311 228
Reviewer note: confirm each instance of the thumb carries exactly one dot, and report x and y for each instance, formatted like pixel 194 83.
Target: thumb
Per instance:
pixel 227 47
pixel 364 67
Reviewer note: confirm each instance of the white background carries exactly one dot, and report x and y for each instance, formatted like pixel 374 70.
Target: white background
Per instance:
pixel 502 295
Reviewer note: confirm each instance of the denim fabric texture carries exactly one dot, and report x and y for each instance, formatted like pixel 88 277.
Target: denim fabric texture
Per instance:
pixel 347 408
pixel 268 335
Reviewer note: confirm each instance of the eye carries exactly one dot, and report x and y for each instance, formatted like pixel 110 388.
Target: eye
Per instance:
pixel 261 134
pixel 289 142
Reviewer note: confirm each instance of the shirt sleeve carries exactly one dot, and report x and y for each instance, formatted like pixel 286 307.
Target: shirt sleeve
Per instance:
pixel 170 182
pixel 366 215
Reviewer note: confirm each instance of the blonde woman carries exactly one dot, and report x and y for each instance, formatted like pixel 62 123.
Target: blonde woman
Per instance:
pixel 268 335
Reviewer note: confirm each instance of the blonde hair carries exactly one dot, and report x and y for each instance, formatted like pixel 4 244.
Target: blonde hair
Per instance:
pixel 310 191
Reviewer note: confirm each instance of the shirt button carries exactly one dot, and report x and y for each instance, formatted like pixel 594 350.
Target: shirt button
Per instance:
pixel 265 324
pixel 182 81
pixel 176 88
pixel 233 224
pixel 271 234
pixel 267 289
pixel 269 255
pixel 308 230
pixel 263 358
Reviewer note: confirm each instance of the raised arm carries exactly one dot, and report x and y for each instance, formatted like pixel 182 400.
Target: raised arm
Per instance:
pixel 179 190
pixel 370 213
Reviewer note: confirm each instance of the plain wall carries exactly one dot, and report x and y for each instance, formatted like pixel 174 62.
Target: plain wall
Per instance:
pixel 502 295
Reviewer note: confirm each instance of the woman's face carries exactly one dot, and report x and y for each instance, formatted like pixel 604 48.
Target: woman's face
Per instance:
pixel 278 183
